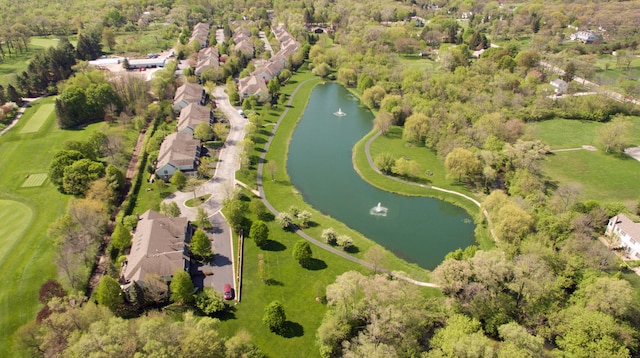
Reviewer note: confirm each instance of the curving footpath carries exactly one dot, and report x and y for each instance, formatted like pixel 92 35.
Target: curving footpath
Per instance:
pixel 373 166
pixel 304 235
pixel 21 110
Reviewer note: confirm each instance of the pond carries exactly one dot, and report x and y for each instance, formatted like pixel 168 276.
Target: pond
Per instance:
pixel 420 230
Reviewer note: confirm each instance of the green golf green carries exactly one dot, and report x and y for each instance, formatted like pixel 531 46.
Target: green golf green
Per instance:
pixel 37 120
pixel 15 218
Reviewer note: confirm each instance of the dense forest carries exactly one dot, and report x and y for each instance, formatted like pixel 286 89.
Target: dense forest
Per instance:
pixel 548 288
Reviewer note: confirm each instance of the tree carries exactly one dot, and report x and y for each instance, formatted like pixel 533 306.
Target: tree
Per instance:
pixel 406 167
pixel 330 236
pixel 178 179
pixel 273 86
pixel 375 255
pixel 203 132
pixel 614 135
pixel 181 287
pixel 528 59
pixel 569 72
pixel 108 38
pixel 79 175
pixel 201 245
pixel 518 342
pixel 259 232
pixel 170 209
pixel 121 237
pixel 61 160
pixel 71 107
pixel 274 316
pixel 202 219
pixel 305 218
pixel 385 162
pixel 322 70
pixel 284 219
pixel 462 337
pixel 209 301
pixel 415 128
pixel 108 293
pixel 49 290
pixel 346 242
pixel 383 121
pixel 115 178
pixel 234 212
pixel 461 162
pixel 347 76
pixel 302 251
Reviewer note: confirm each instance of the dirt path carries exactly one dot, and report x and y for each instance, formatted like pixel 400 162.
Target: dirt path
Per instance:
pixel 131 168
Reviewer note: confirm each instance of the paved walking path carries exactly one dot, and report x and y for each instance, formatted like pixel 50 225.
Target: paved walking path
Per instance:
pixel 300 232
pixel 21 110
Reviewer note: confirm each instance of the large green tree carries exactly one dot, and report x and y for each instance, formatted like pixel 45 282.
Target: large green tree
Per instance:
pixel 79 175
pixel 121 237
pixel 274 316
pixel 201 245
pixel 259 232
pixel 181 287
pixel 108 293
pixel 302 251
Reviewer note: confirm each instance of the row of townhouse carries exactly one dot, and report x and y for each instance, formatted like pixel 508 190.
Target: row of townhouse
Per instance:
pixel 200 33
pixel 256 83
pixel 180 151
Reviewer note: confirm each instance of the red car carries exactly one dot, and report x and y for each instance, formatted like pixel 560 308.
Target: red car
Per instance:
pixel 228 293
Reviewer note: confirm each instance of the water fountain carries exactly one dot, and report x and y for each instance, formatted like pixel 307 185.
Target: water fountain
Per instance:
pixel 339 113
pixel 378 210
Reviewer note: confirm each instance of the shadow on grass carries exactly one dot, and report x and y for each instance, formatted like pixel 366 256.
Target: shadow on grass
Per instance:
pixel 272 245
pixel 315 264
pixel 272 282
pixel 226 314
pixel 291 330
pixel 266 217
pixel 352 249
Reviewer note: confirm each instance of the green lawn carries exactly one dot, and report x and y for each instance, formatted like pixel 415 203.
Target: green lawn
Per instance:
pixel 15 218
pixel 603 177
pixel 37 119
pixel 607 68
pixel 418 63
pixel 28 262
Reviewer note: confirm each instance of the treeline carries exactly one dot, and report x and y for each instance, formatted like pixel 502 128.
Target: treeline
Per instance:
pixel 69 325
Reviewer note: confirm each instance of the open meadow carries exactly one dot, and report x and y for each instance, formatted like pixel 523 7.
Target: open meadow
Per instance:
pixel 604 177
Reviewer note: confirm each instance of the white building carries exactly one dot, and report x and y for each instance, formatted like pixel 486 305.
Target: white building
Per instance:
pixel 627 233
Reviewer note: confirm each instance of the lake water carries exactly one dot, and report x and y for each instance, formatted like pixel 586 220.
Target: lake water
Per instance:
pixel 418 229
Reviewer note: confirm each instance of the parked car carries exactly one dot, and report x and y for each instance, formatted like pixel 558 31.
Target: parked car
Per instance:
pixel 228 292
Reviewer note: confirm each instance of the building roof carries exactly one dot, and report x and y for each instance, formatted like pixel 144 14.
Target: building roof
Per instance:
pixel 251 85
pixel 200 33
pixel 246 47
pixel 558 83
pixel 178 149
pixel 207 57
pixel 192 115
pixel 629 227
pixel 158 246
pixel 147 62
pixel 188 92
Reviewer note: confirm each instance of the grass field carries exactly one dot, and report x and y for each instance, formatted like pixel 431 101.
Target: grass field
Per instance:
pixel 604 177
pixel 418 63
pixel 35 121
pixel 15 218
pixel 29 260
pixel 34 180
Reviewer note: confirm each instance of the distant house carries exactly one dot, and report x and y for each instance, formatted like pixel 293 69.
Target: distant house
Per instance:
pixel 627 233
pixel 157 251
pixel 192 115
pixel 537 74
pixel 200 33
pixel 207 58
pixel 189 93
pixel 584 36
pixel 560 86
pixel 253 85
pixel 178 152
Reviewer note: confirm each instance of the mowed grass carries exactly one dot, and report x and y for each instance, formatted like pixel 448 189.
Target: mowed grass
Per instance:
pixel 418 63
pixel 15 218
pixel 34 180
pixel 29 261
pixel 567 133
pixel 603 177
pixel 35 121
